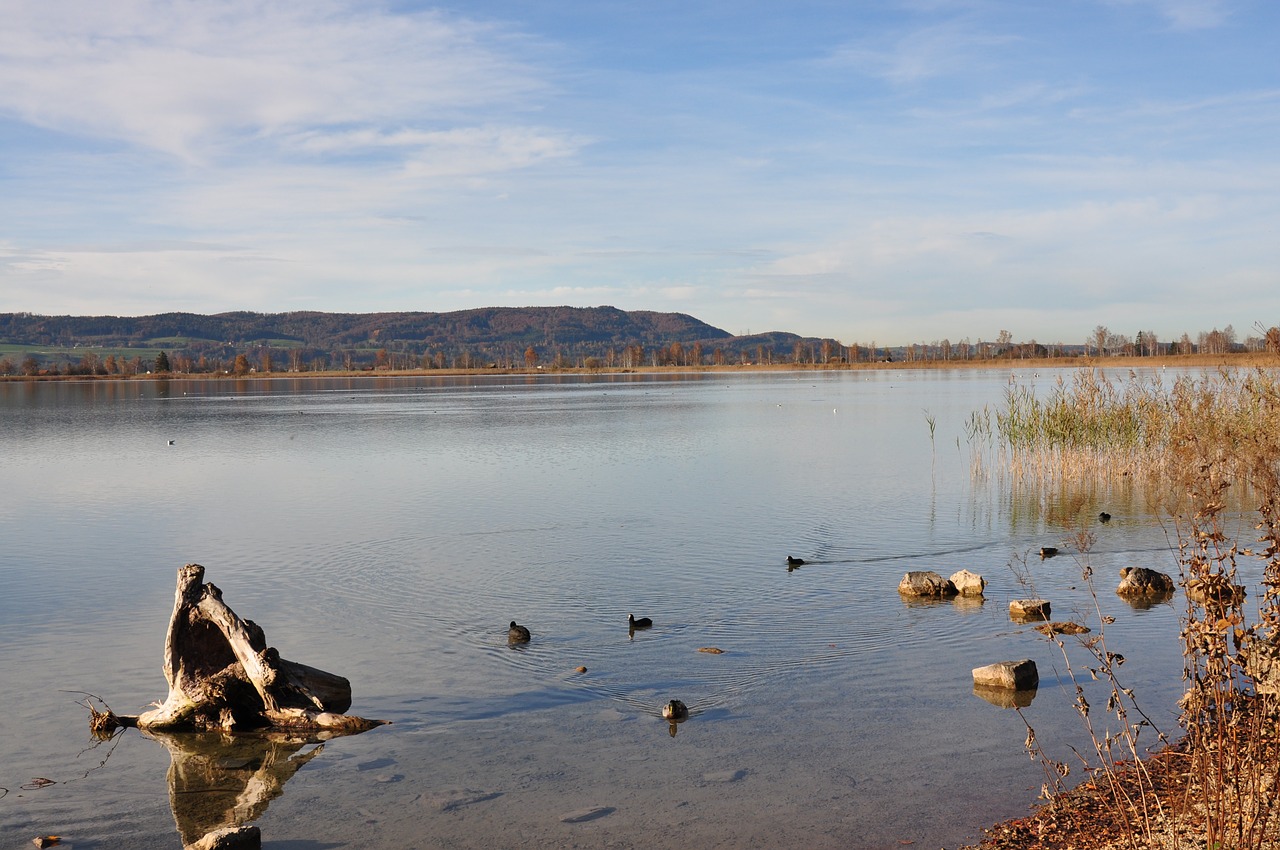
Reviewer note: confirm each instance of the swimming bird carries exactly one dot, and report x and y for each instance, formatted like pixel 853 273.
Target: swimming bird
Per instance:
pixel 517 634
pixel 642 623
pixel 795 562
pixel 1047 552
pixel 675 711
pixel 1104 517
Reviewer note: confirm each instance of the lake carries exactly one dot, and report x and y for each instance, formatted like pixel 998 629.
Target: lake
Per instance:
pixel 389 528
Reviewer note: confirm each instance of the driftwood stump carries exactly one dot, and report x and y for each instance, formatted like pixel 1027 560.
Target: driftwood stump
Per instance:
pixel 223 676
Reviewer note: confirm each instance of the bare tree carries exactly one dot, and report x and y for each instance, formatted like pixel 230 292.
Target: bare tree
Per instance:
pixel 1150 343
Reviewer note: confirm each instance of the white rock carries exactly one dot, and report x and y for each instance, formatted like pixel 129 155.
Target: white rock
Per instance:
pixel 968 584
pixel 1016 675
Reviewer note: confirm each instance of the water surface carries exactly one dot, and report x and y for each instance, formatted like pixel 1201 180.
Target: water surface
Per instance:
pixel 388 529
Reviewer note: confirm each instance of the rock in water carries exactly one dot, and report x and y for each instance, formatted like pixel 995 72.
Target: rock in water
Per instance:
pixel 925 583
pixel 1140 581
pixel 1029 609
pixel 968 584
pixel 1015 675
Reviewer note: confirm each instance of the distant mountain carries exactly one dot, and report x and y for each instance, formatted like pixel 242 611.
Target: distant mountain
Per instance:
pixel 491 335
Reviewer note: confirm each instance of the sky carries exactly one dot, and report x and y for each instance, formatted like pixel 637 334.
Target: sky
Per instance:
pixel 887 171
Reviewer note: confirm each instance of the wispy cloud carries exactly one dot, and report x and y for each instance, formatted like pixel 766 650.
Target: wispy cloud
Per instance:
pixel 921 54
pixel 1186 14
pixel 198 79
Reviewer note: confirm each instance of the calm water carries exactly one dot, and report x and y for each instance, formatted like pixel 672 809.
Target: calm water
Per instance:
pixel 389 529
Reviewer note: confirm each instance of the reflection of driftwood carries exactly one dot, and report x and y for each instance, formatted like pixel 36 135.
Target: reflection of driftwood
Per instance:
pixel 219 782
pixel 223 676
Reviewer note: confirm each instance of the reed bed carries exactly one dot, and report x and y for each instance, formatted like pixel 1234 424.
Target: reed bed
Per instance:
pixel 1203 442
pixel 1141 427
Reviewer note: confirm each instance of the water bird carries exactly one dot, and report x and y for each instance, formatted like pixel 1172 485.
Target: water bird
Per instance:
pixel 675 711
pixel 1047 552
pixel 171 442
pixel 795 562
pixel 1104 517
pixel 642 623
pixel 517 634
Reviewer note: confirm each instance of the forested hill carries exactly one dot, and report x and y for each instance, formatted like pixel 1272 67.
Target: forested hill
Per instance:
pixel 482 327
pixel 493 335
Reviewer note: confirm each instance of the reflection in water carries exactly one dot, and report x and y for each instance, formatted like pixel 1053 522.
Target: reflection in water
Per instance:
pixel 1005 697
pixel 219 780
pixel 1148 601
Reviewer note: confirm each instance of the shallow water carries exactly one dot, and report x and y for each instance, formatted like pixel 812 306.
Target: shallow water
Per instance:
pixel 388 529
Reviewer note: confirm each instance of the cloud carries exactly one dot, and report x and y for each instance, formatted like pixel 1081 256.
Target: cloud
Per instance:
pixel 922 54
pixel 1186 14
pixel 197 78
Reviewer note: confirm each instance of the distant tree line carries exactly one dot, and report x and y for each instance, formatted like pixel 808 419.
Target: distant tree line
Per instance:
pixel 501 338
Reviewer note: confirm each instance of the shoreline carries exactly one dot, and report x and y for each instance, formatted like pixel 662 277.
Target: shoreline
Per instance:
pixel 1087 816
pixel 1221 361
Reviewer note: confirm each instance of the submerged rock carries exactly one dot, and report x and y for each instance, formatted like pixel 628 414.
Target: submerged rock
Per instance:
pixel 586 814
pixel 452 799
pixel 1062 628
pixel 724 776
pixel 1029 609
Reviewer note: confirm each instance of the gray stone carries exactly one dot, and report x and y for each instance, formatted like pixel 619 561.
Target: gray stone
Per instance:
pixel 1015 675
pixel 925 583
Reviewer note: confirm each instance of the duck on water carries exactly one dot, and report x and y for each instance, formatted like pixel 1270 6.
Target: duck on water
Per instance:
pixel 517 634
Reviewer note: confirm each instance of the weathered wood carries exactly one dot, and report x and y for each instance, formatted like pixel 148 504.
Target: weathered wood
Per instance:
pixel 223 676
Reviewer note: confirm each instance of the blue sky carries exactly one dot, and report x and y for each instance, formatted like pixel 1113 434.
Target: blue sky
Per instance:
pixel 892 171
